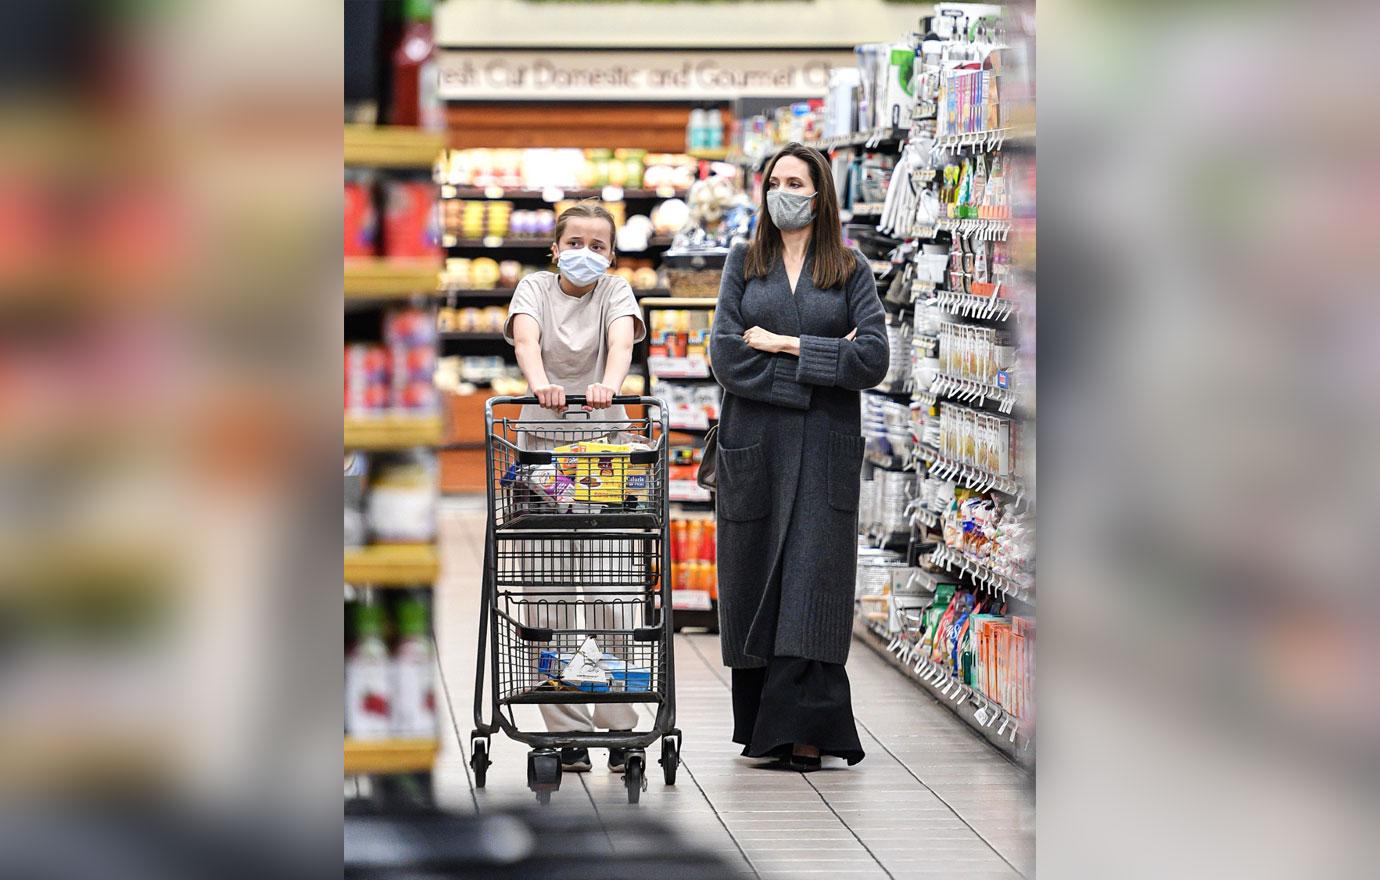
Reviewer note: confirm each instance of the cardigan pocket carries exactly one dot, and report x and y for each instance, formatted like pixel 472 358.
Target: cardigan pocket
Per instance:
pixel 744 483
pixel 845 469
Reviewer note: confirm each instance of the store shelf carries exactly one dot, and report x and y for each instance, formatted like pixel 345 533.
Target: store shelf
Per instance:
pixel 990 230
pixel 970 391
pixel 713 154
pixel 531 242
pixel 988 719
pixel 387 146
pixel 871 138
pixel 990 139
pixel 680 302
pixel 392 432
pixel 392 565
pixel 689 367
pixel 389 756
pixel 970 305
pixel 974 478
pixel 377 278
pixel 463 336
pixel 981 574
pixel 555 194
pixel 861 210
pixel 890 390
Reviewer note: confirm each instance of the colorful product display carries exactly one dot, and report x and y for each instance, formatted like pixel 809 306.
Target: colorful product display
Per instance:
pixel 566 169
pixel 411 227
pixel 396 376
pixel 694 570
pixel 390 693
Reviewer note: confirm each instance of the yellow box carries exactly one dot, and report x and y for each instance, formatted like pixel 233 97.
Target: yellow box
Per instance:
pixel 601 479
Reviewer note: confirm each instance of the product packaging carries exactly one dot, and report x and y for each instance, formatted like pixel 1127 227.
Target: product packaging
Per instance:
pixel 414 703
pixel 411 220
pixel 368 679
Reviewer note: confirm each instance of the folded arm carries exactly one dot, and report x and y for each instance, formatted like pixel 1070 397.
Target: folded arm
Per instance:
pixel 742 370
pixel 854 363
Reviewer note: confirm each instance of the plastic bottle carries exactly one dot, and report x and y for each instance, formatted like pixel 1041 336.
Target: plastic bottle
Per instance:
pixel 368 689
pixel 716 128
pixel 416 100
pixel 414 689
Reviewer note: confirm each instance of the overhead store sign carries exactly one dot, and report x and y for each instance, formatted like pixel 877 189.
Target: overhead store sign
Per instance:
pixel 481 74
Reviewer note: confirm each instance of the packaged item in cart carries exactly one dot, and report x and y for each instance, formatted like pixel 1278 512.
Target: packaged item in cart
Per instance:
pixel 551 485
pixel 587 666
pixel 608 478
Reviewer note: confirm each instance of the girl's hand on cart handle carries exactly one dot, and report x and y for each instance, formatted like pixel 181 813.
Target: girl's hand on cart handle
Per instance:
pixel 599 396
pixel 551 396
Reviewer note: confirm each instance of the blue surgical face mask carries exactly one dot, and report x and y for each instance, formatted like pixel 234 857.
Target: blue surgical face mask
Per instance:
pixel 581 266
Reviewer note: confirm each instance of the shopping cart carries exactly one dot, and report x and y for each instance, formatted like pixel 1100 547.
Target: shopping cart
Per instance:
pixel 576 603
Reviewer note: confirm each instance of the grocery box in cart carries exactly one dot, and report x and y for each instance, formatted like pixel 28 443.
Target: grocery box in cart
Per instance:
pixel 604 472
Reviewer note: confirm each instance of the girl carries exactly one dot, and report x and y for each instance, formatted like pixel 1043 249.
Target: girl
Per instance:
pixel 574 332
pixel 798 332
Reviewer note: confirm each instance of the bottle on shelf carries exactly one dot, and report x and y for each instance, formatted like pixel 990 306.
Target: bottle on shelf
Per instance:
pixel 368 689
pixel 414 688
pixel 416 96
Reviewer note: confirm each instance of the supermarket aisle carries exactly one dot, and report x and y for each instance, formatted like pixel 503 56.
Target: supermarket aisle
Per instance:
pixel 930 800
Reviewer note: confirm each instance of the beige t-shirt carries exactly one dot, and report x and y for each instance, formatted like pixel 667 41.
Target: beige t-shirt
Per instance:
pixel 574 335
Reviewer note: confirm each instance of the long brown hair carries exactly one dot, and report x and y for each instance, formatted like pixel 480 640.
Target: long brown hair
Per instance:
pixel 833 263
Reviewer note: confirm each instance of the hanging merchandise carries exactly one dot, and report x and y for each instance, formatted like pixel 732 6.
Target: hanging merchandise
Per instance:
pixel 958 284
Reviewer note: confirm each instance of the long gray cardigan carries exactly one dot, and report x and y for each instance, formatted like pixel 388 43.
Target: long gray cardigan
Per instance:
pixel 790 460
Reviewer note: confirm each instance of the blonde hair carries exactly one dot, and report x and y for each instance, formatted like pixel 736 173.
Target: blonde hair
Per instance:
pixel 591 208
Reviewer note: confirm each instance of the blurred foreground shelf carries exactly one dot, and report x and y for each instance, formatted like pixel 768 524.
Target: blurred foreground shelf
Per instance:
pixel 390 146
pixel 389 756
pixel 392 565
pixel 392 432
pixel 367 278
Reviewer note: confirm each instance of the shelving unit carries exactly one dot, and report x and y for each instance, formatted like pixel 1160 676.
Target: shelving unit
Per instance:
pixel 380 278
pixel 370 284
pixel 387 146
pixel 985 717
pixel 389 756
pixel 392 565
pixel 971 292
pixel 393 432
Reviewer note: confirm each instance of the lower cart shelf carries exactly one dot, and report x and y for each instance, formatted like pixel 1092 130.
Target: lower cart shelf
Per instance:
pixel 386 756
pixel 985 717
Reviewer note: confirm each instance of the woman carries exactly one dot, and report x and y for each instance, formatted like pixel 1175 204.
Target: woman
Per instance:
pixel 574 332
pixel 799 331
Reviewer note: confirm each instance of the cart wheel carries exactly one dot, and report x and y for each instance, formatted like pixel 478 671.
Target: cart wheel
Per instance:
pixel 543 773
pixel 635 776
pixel 479 760
pixel 670 757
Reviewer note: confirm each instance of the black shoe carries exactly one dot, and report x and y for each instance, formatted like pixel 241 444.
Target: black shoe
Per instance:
pixel 805 763
pixel 575 760
pixel 618 758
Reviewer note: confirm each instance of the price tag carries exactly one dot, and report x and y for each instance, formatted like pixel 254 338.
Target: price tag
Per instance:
pixel 612 194
pixel 493 191
pixel 665 191
pixel 552 194
pixel 448 191
pixel 493 241
pixel 691 600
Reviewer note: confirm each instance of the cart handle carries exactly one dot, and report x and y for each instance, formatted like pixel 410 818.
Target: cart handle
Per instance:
pixel 575 400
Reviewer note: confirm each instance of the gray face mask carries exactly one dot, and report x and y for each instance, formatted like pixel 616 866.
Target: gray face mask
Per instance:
pixel 790 210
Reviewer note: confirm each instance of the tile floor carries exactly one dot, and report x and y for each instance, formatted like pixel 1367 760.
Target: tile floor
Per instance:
pixel 930 799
